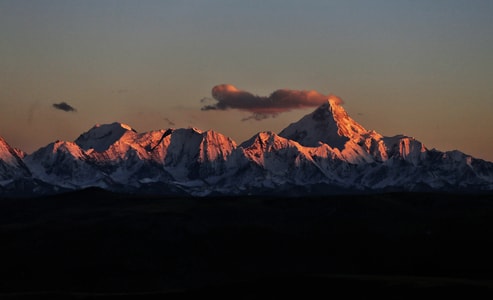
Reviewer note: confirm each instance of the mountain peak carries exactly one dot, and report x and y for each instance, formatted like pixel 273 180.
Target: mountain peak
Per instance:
pixel 11 164
pixel 328 124
pixel 101 137
pixel 6 152
pixel 116 124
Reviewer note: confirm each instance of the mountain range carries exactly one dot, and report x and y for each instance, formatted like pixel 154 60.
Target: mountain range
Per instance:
pixel 325 152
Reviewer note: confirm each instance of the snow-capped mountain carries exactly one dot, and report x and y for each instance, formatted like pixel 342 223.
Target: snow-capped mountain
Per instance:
pixel 65 164
pixel 101 137
pixel 284 161
pixel 324 152
pixel 11 165
pixel 399 162
pixel 15 177
pixel 330 124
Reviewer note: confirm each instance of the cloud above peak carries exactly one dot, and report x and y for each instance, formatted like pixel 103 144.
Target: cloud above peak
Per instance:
pixel 64 106
pixel 227 96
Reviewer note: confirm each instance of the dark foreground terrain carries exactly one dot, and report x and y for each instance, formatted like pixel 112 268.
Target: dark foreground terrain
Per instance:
pixel 93 244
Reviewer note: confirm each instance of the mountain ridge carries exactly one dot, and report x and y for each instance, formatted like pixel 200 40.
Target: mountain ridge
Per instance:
pixel 324 151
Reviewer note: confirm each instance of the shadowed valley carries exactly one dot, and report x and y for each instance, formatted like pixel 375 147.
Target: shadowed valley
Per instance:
pixel 92 244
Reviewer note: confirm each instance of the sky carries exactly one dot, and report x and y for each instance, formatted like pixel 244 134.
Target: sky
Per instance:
pixel 420 68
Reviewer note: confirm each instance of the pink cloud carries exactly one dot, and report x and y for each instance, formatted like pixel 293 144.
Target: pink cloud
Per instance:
pixel 229 97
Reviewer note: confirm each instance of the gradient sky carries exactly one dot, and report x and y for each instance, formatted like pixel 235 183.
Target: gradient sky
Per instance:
pixel 422 68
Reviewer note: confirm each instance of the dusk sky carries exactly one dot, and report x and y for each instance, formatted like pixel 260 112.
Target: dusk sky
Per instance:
pixel 421 68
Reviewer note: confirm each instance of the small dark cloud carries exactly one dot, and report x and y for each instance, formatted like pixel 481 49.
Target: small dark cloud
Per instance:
pixel 64 106
pixel 226 96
